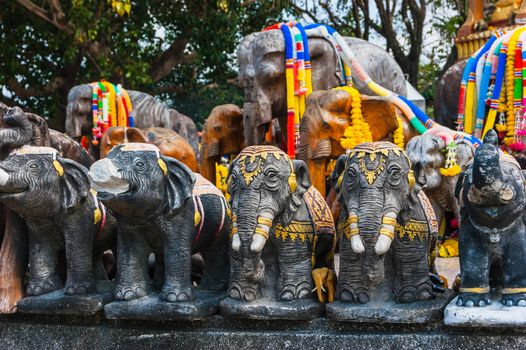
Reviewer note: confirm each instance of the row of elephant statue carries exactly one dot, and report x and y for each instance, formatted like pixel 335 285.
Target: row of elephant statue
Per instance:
pixel 273 243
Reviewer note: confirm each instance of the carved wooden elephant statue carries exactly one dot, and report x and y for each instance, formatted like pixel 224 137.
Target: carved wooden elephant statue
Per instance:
pixel 261 58
pixel 324 122
pixel 222 135
pixel 168 141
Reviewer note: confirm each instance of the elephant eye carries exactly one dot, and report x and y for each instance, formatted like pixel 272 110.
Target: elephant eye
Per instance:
pixel 271 174
pixel 139 164
pixel 33 166
pixel 351 177
pixel 395 176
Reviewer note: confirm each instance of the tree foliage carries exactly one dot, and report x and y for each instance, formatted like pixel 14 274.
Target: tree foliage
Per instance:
pixel 181 50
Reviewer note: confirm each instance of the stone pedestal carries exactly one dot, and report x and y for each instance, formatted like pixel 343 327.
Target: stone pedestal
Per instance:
pixel 205 303
pixel 269 309
pixel 493 315
pixel 388 311
pixel 56 303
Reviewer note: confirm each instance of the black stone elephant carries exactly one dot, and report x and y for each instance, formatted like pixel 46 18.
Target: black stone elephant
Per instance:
pixel 162 207
pixel 387 229
pixel 261 59
pixel 492 231
pixel 53 196
pixel 147 111
pixel 278 218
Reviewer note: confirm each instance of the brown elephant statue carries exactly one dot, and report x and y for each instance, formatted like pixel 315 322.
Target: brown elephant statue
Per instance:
pixel 261 59
pixel 324 122
pixel 169 142
pixel 222 135
pixel 17 129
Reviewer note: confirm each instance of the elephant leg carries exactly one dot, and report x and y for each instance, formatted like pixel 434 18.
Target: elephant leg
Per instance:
pixel 474 267
pixel 132 266
pixel 178 258
pixel 13 262
pixel 217 263
pixel 295 266
pixel 43 277
pixel 514 271
pixel 411 270
pixel 79 255
pixel 351 285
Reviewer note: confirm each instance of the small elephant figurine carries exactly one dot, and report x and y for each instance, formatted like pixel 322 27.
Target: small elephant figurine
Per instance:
pixel 492 199
pixel 162 207
pixel 53 195
pixel 276 213
pixel 387 228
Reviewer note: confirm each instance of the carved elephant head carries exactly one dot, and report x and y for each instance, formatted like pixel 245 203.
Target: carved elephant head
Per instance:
pixel 266 188
pixel 222 135
pixel 261 61
pixel 323 125
pixel 492 189
pixel 376 185
pixel 19 128
pixel 78 111
pixel 135 180
pixel 35 181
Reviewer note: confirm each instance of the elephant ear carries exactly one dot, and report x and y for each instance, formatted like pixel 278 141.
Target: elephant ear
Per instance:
pixel 41 136
pixel 338 170
pixel 135 135
pixel 75 181
pixel 179 183
pixel 380 115
pixel 299 184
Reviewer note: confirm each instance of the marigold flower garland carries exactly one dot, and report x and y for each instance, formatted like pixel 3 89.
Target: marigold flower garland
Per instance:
pixel 358 130
pixel 398 134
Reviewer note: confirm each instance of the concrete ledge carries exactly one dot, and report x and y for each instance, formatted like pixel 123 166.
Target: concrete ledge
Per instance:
pixel 47 332
pixel 493 315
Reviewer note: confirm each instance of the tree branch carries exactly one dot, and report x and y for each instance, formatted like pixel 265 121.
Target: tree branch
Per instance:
pixel 170 58
pixel 58 18
pixel 22 92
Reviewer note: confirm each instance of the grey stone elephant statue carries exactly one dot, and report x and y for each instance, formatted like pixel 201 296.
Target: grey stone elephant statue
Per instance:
pixel 147 110
pixel 162 207
pixel 278 218
pixel 492 231
pixel 53 196
pixel 18 128
pixel 427 155
pixel 387 228
pixel 261 59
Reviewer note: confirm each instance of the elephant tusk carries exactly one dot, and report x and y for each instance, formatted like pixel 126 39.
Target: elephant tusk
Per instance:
pixel 386 233
pixel 357 244
pixel 258 242
pixel 312 291
pixel 4 177
pixel 236 243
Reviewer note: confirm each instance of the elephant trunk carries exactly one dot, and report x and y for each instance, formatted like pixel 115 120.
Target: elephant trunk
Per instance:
pixel 4 177
pixel 258 114
pixel 489 186
pixel 372 232
pixel 251 229
pixel 105 177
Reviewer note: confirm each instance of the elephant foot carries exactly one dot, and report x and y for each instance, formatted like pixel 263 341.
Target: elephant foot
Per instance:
pixel 411 294
pixel 173 294
pixel 517 299
pixel 473 299
pixel 290 292
pixel 129 292
pixel 79 288
pixel 348 294
pixel 35 288
pixel 236 291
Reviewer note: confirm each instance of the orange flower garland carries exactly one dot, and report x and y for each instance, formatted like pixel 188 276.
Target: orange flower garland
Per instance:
pixel 358 131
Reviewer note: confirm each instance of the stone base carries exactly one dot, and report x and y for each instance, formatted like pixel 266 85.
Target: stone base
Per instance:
pixel 493 315
pixel 267 309
pixel 390 311
pixel 205 303
pixel 56 303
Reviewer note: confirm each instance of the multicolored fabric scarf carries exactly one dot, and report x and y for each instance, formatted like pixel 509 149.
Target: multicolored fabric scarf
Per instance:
pixel 111 106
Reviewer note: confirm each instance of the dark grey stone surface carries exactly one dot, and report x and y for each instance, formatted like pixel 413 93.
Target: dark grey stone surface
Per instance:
pixel 56 303
pixel 47 332
pixel 205 303
pixel 269 309
pixel 389 311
